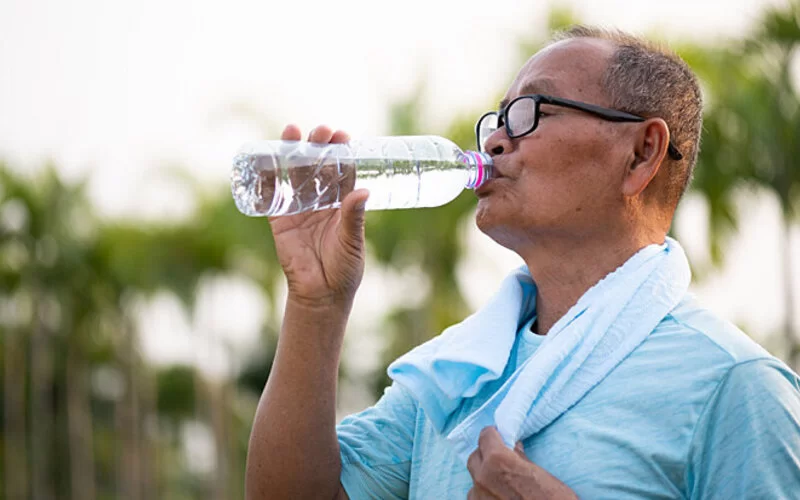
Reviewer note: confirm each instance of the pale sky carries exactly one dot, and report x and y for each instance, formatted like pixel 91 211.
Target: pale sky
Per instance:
pixel 123 89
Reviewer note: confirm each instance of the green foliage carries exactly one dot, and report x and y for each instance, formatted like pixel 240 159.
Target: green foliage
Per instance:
pixel 561 18
pixel 66 283
pixel 558 19
pixel 175 392
pixel 752 123
pixel 253 376
pixel 779 25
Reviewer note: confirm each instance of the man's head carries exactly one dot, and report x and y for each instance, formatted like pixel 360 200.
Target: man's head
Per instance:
pixel 578 174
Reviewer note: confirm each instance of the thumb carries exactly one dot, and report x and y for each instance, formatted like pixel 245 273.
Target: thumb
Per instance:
pixel 353 207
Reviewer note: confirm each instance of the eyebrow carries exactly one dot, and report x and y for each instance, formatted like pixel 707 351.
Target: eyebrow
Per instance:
pixel 540 86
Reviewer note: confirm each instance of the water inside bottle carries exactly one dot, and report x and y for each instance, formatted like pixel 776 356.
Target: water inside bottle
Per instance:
pixel 262 187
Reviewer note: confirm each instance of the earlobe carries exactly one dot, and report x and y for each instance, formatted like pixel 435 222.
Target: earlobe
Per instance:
pixel 650 149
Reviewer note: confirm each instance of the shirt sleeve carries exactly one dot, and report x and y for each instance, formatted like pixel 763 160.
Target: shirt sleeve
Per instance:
pixel 375 447
pixel 747 441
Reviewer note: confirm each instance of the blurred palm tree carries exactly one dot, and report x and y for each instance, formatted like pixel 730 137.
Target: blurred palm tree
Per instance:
pixel 57 291
pixel 752 123
pixel 776 129
pixel 177 257
pixel 70 350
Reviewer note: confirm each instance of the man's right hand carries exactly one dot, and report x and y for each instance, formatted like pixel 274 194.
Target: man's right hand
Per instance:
pixel 322 253
pixel 294 452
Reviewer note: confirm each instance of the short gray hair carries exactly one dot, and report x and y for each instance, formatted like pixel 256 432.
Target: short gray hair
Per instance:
pixel 650 80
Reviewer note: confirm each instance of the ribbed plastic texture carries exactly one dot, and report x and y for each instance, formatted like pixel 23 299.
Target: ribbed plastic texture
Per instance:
pixel 287 177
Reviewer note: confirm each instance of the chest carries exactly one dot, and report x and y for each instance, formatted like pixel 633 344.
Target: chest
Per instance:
pixel 607 446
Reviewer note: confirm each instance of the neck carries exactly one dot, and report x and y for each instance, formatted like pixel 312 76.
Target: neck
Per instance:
pixel 565 269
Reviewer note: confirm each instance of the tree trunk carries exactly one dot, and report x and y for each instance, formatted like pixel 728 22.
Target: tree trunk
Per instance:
pixel 219 424
pixel 127 423
pixel 79 418
pixel 15 429
pixel 149 443
pixel 42 415
pixel 790 334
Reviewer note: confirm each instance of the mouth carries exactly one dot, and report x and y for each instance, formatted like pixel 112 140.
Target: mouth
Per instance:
pixel 488 185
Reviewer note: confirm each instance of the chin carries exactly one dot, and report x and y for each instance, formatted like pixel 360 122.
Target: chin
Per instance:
pixel 483 216
pixel 495 211
pixel 492 226
pixel 507 228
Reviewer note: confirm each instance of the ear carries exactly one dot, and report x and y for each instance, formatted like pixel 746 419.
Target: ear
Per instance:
pixel 650 148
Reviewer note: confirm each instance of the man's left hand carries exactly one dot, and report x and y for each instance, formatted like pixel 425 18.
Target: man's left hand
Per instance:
pixel 499 472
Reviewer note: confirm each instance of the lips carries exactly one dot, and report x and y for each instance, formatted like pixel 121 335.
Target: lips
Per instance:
pixel 497 169
pixel 497 175
pixel 487 186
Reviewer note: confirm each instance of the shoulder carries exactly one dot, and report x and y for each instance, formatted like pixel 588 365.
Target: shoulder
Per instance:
pixel 695 336
pixel 692 352
pixel 743 382
pixel 704 327
pixel 748 435
pixel 741 404
pixel 396 404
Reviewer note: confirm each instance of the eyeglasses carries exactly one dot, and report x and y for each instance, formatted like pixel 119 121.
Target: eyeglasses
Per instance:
pixel 521 117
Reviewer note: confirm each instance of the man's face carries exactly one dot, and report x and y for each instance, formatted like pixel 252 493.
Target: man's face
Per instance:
pixel 565 178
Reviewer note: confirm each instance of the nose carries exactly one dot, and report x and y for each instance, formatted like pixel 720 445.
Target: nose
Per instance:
pixel 497 143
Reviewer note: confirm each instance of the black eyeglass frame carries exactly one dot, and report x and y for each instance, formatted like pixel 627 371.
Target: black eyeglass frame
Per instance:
pixel 539 99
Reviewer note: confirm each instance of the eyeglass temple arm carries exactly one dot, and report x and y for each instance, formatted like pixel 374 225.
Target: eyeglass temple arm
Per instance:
pixel 608 114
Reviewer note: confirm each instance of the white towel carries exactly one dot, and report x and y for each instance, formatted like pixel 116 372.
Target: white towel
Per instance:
pixel 606 324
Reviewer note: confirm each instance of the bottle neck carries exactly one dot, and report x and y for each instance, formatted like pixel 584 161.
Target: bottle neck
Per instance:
pixel 480 168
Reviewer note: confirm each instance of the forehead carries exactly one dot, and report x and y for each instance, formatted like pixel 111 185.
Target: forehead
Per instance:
pixel 570 68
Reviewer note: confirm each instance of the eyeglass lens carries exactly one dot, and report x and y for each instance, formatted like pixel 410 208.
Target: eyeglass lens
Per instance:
pixel 521 116
pixel 486 127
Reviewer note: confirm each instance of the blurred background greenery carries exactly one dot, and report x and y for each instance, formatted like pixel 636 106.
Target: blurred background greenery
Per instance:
pixel 86 414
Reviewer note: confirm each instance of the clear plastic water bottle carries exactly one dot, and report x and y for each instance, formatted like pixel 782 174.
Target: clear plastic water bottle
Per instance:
pixel 287 177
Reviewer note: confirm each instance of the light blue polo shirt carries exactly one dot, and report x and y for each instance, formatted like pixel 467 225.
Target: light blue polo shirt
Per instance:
pixel 698 410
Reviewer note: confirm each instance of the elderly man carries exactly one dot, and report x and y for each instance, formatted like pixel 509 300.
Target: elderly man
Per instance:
pixel 593 373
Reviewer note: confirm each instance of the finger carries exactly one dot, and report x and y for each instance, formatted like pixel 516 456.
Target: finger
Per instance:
pixel 519 448
pixel 291 133
pixel 490 440
pixel 340 136
pixel 473 494
pixel 478 492
pixel 474 463
pixel 321 134
pixel 353 207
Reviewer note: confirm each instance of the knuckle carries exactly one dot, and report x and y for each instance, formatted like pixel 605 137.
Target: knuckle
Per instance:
pixel 483 479
pixel 492 459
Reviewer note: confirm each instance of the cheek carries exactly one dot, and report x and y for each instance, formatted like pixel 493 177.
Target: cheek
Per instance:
pixel 549 186
pixel 573 170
